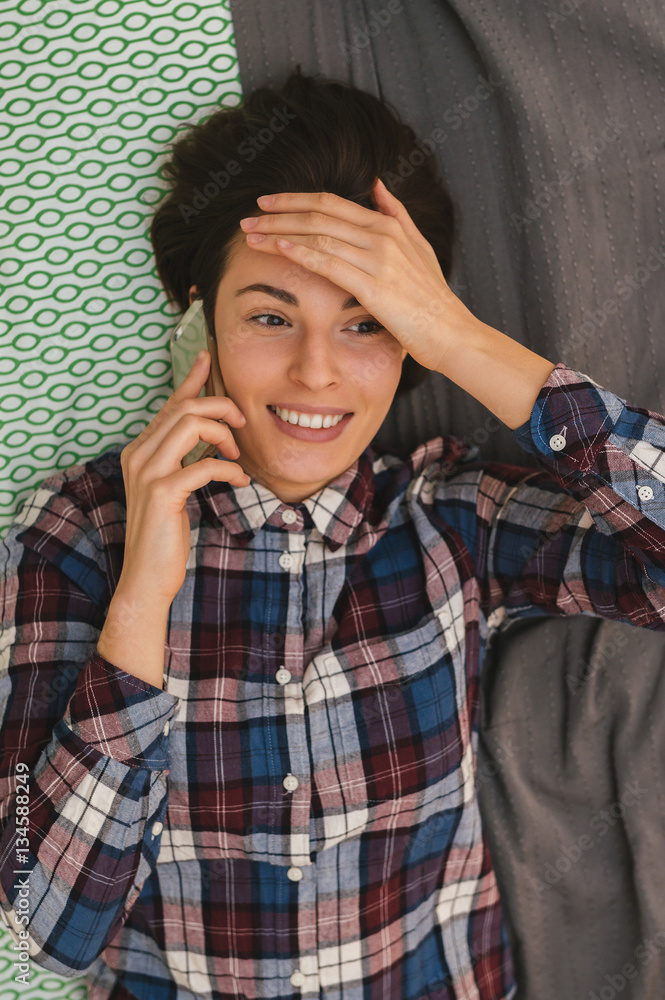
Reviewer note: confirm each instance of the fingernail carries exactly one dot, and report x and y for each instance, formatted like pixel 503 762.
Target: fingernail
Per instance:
pixel 201 355
pixel 266 199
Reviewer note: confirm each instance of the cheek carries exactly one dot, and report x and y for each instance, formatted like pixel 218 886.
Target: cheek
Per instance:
pixel 246 370
pixel 378 369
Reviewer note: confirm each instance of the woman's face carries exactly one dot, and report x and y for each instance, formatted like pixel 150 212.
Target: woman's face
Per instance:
pixel 298 344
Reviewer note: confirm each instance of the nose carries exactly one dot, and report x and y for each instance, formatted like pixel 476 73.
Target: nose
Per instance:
pixel 315 361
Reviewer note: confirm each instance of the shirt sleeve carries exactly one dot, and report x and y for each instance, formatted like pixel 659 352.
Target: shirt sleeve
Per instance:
pixel 83 746
pixel 585 534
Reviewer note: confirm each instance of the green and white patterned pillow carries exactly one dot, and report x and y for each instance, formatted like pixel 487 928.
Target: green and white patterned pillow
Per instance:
pixel 90 94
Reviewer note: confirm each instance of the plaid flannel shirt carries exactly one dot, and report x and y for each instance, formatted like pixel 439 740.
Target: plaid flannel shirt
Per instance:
pixel 294 813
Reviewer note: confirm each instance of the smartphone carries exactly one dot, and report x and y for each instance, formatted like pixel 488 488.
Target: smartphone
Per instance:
pixel 189 337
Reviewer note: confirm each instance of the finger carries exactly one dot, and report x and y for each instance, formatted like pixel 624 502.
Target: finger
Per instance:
pixel 388 204
pixel 190 387
pixel 311 223
pixel 359 258
pixel 164 452
pixel 320 201
pixel 196 376
pixel 364 259
pixel 220 409
pixel 347 267
pixel 193 477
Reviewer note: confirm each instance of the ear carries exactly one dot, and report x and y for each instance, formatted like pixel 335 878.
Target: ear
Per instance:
pixel 193 293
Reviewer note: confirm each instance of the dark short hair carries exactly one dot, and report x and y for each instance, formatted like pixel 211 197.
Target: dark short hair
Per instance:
pixel 340 139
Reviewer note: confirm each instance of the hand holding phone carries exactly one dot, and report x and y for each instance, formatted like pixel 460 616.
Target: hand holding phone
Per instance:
pixel 157 536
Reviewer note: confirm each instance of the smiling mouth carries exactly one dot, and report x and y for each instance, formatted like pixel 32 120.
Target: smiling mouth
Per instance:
pixel 314 421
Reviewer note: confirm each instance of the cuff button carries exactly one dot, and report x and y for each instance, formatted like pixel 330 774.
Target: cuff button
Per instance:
pixel 645 493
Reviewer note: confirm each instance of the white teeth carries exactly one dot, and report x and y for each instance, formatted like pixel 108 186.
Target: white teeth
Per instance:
pixel 308 419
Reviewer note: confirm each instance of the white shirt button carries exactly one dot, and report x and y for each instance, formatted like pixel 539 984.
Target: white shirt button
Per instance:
pixel 157 828
pixel 295 874
pixel 557 442
pixel 290 782
pixel 283 676
pixel 297 978
pixel 286 560
pixel 645 493
pixel 289 516
pixel 167 726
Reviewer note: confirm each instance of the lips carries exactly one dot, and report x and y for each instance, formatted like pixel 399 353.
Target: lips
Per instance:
pixel 317 435
pixel 333 411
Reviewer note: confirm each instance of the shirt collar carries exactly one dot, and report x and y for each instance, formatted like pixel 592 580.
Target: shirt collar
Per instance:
pixel 336 510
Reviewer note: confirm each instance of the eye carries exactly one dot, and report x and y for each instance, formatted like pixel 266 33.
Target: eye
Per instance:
pixel 361 333
pixel 254 319
pixel 368 322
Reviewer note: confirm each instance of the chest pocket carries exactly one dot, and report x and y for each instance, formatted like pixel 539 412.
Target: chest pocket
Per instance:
pixel 387 717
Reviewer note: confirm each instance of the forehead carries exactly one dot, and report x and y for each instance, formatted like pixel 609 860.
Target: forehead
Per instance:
pixel 248 266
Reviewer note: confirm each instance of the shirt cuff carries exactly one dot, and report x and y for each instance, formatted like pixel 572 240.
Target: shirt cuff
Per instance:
pixel 578 427
pixel 122 716
pixel 571 420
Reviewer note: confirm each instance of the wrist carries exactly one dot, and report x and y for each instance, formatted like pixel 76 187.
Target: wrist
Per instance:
pixel 131 606
pixel 134 633
pixel 138 594
pixel 502 374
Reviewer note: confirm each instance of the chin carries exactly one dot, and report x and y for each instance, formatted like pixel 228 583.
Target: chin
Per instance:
pixel 308 469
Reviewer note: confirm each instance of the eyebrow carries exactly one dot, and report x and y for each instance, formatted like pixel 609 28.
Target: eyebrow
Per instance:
pixel 287 297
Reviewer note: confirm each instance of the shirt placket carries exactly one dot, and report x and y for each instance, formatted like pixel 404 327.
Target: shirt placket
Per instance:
pixel 300 873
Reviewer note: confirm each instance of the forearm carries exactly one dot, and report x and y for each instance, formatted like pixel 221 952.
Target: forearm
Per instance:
pixel 87 846
pixel 502 374
pixel 134 635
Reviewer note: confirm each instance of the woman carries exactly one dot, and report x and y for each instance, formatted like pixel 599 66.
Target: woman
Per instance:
pixel 257 779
